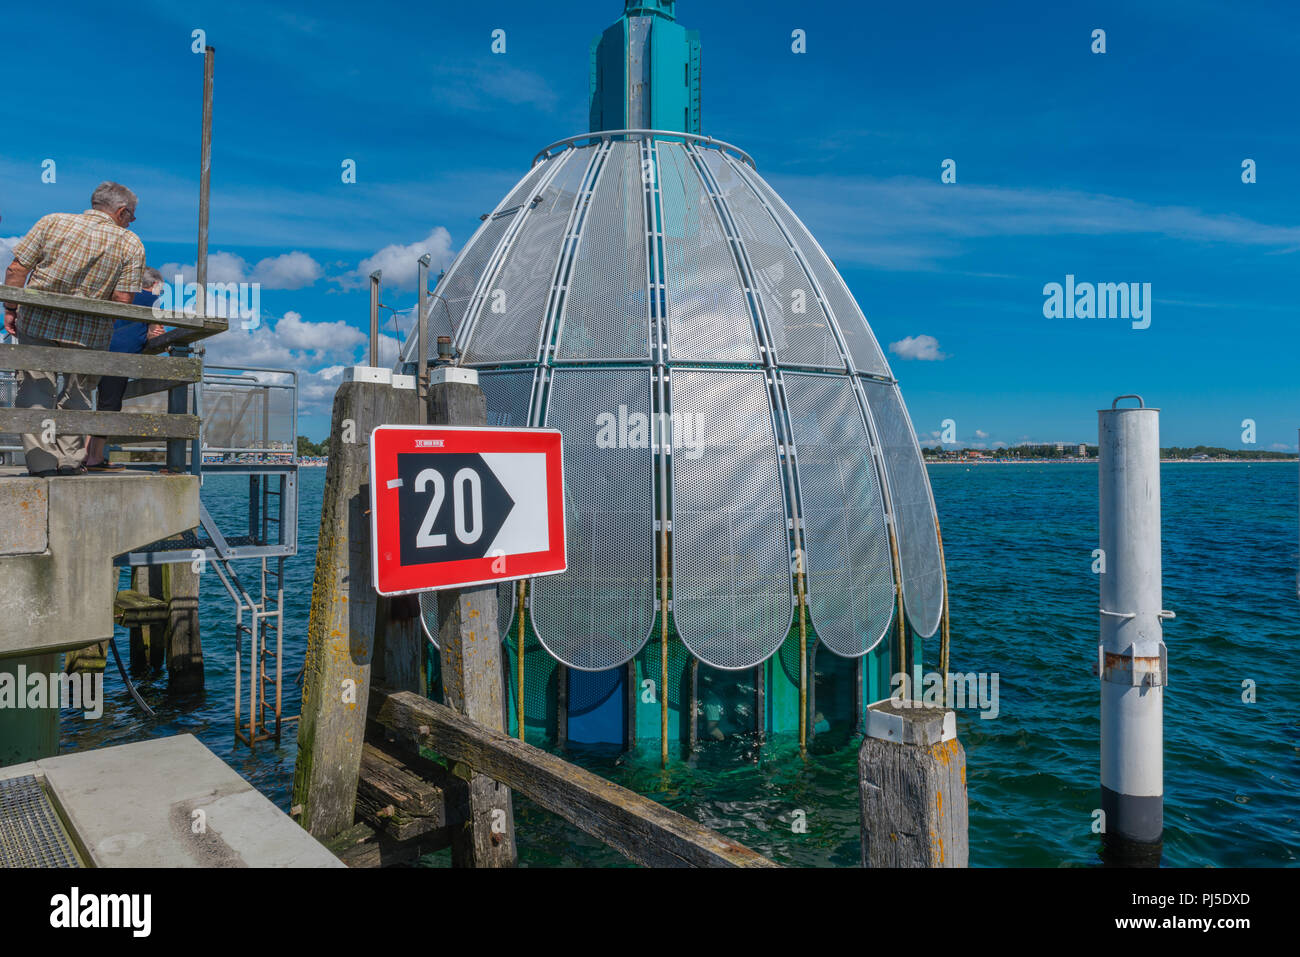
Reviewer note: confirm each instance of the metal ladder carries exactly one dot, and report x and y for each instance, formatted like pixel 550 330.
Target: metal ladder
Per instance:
pixel 264 627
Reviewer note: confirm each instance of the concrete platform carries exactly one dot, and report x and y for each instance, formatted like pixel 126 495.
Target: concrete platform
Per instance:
pixel 134 806
pixel 58 538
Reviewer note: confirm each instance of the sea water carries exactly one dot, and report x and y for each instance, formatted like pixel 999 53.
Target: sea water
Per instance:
pixel 1019 542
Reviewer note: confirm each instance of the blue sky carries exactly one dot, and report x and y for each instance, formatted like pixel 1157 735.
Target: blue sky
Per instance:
pixel 1115 167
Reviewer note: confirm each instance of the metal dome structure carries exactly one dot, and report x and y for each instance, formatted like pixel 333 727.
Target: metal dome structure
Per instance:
pixel 724 404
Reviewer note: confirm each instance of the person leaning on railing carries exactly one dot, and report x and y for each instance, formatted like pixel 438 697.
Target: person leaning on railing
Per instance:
pixel 128 337
pixel 91 254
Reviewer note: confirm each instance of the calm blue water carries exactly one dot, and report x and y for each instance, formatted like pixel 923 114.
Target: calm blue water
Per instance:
pixel 1019 541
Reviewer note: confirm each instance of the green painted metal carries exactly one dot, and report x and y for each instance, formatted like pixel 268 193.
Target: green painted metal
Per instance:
pixel 644 72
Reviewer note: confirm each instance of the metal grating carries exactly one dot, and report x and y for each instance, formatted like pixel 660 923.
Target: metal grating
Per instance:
pixel 458 285
pixel 605 311
pixel 801 333
pixel 510 322
pixel 31 834
pixel 732 597
pixel 848 318
pixel 247 416
pixel 913 507
pixel 849 573
pixel 598 614
pixel 708 319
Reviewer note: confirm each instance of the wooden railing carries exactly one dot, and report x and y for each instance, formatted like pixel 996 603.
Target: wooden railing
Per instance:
pixel 151 372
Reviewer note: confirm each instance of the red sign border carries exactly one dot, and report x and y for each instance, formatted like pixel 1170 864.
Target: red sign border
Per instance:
pixel 470 438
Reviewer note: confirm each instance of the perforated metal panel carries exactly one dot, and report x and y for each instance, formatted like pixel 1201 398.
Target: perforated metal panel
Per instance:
pixel 708 319
pixel 845 313
pixel 732 597
pixel 801 333
pixel 458 285
pixel 849 572
pixel 914 518
pixel 605 311
pixel 598 614
pixel 510 321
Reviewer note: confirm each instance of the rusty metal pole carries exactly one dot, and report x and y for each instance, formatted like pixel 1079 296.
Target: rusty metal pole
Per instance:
pixel 375 277
pixel 178 396
pixel 422 337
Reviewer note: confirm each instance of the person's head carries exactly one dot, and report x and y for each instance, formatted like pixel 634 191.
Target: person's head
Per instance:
pixel 116 200
pixel 153 281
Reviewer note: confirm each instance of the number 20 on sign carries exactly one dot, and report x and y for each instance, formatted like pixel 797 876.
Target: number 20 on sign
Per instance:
pixel 451 507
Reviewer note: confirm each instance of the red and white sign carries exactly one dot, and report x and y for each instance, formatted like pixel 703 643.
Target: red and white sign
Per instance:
pixel 453 506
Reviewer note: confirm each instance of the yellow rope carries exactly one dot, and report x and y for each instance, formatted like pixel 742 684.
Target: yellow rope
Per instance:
pixel 519 665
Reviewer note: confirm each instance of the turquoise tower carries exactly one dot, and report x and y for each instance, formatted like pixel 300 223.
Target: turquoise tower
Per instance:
pixel 645 71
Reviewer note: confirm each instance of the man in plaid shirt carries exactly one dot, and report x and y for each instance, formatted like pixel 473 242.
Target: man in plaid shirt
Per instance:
pixel 90 254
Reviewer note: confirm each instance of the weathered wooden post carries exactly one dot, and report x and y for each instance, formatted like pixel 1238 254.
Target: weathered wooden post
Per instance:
pixel 912 778
pixel 341 628
pixel 471 654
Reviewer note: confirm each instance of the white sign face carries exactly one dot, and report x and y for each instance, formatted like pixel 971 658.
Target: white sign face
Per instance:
pixel 464 506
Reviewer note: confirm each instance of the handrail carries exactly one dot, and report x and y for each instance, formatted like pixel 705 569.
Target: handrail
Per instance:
pixel 109 309
pixel 707 141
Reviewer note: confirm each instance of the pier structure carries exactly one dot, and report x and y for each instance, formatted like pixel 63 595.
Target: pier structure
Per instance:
pixel 59 553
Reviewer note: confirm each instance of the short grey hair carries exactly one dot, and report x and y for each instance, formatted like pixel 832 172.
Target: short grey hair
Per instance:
pixel 151 278
pixel 109 196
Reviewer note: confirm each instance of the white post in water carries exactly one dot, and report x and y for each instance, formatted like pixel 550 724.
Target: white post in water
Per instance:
pixel 1132 660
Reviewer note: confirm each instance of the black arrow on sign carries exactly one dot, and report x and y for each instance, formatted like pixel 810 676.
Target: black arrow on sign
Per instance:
pixel 443 518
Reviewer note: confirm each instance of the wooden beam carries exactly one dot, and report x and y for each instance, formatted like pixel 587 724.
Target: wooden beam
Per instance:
pixel 341 627
pixel 177 337
pixel 646 832
pixel 97 362
pixel 397 795
pixel 362 846
pixel 142 425
pixel 108 309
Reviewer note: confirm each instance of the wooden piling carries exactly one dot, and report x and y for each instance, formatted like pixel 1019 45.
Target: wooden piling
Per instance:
pixel 912 780
pixel 469 639
pixel 341 627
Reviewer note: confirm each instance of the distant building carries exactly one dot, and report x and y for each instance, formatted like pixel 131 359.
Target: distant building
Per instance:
pixel 1083 451
pixel 1060 448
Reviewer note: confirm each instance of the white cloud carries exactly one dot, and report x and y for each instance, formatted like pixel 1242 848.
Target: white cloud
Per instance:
pixel 318 337
pixel 925 348
pixel 981 434
pixel 287 271
pixel 399 263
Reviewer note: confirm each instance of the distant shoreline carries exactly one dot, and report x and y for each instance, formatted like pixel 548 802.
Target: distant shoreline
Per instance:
pixel 1093 461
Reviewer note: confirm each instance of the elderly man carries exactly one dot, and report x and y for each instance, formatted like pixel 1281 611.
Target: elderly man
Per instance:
pixel 90 254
